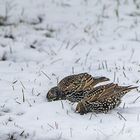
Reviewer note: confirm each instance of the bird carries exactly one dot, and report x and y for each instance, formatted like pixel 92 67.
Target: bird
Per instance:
pixel 106 100
pixel 73 84
pixel 79 95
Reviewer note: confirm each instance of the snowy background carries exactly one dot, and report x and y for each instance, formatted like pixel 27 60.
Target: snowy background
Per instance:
pixel 42 41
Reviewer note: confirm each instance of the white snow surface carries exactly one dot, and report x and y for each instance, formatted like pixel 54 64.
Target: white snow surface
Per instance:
pixel 101 37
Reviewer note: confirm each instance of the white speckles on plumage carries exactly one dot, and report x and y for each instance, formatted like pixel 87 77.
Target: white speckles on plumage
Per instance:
pixel 105 101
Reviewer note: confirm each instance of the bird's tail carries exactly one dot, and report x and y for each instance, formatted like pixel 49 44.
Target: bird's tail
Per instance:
pixel 101 79
pixel 122 90
pixel 117 92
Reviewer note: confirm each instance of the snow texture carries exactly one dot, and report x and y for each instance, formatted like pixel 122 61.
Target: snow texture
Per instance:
pixel 42 41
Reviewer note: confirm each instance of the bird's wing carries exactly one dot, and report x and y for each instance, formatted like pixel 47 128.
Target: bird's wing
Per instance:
pixel 100 92
pixel 75 82
pixel 71 83
pixel 116 92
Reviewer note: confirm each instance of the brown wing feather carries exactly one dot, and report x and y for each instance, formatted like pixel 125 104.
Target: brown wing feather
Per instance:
pixel 73 82
pixel 106 89
pixel 117 91
pixel 79 82
pixel 86 82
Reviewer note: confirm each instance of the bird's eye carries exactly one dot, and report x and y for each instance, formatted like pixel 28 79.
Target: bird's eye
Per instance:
pixel 52 95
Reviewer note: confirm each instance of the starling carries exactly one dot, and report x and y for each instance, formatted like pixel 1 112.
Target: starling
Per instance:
pixel 74 84
pixel 104 101
pixel 79 95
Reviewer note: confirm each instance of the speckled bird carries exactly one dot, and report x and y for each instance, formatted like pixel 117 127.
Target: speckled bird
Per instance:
pixel 74 84
pixel 108 99
pixel 79 95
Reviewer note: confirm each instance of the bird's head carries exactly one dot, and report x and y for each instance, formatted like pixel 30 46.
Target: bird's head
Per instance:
pixel 54 94
pixel 80 108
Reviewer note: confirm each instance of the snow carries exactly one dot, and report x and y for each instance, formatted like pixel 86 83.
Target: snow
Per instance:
pixel 43 41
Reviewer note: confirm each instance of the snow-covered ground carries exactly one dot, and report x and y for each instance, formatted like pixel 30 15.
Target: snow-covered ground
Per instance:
pixel 42 41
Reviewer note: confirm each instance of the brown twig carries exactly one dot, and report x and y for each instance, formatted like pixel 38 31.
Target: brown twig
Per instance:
pixel 120 115
pixel 46 75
